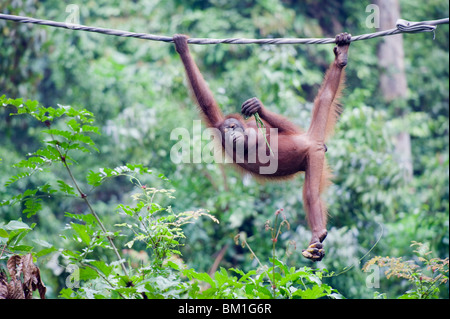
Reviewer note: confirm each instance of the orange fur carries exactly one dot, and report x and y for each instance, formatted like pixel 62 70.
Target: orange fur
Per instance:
pixel 296 151
pixel 335 110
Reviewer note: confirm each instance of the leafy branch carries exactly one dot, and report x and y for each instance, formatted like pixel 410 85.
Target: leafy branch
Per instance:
pixel 288 282
pixel 158 228
pixel 58 150
pixel 426 279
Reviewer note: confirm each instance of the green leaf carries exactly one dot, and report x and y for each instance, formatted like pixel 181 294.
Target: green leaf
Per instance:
pixel 87 273
pixel 263 292
pixel 66 188
pixel 16 225
pixel 23 248
pixel 32 206
pixel 86 218
pixel 74 125
pixel 94 179
pixel 45 251
pixel 90 129
pixel 42 243
pixel 173 265
pixel 67 135
pixel 79 137
pixel 82 232
pixel 102 267
pixel 3 233
pixel 311 293
pixel 48 154
pixel 15 236
pixel 280 264
pixel 190 273
pixel 68 293
pixel 15 178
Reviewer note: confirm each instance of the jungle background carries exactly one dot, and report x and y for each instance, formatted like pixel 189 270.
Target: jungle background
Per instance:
pixel 390 156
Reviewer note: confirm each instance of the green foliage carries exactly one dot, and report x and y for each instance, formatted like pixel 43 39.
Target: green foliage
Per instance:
pixel 427 278
pixel 302 283
pixel 158 228
pixel 59 142
pixel 12 234
pixel 137 91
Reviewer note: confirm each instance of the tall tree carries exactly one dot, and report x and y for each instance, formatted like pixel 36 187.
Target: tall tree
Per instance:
pixel 393 82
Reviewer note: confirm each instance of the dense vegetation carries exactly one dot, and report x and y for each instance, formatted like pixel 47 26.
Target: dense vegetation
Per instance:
pixel 87 184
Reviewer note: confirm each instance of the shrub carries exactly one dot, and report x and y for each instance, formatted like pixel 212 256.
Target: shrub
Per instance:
pixel 157 272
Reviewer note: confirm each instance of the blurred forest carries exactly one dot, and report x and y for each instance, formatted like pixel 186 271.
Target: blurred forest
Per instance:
pixel 386 194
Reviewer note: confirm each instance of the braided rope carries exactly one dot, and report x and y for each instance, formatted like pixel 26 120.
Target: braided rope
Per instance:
pixel 402 26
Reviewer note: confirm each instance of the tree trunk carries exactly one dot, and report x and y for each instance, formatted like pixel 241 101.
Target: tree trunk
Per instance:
pixel 393 82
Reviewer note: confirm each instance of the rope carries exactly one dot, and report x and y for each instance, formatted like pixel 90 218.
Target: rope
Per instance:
pixel 402 26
